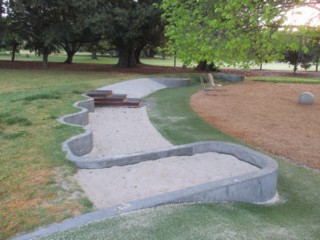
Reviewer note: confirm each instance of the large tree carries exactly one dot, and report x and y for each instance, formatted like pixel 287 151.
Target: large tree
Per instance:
pixel 2 20
pixel 46 25
pixel 33 21
pixel 223 31
pixel 128 25
pixel 71 26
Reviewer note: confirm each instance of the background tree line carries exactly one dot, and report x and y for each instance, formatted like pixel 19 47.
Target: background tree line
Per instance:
pixel 204 32
pixel 126 26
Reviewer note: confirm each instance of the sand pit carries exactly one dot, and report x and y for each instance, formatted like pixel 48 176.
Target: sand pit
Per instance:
pixel 123 130
pixel 119 185
pixel 119 131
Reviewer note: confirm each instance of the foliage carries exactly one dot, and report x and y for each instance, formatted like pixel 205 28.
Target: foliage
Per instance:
pixel 299 47
pixel 33 21
pixel 128 25
pixel 47 26
pixel 232 32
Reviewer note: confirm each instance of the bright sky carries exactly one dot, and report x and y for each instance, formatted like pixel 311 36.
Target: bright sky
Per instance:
pixel 304 16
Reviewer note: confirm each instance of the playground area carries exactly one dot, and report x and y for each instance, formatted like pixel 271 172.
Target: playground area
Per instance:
pixel 179 124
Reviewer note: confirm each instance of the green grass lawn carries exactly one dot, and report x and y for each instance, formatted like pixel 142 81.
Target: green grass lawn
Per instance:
pixel 86 58
pixel 37 188
pixel 314 80
pixel 295 216
pixel 32 164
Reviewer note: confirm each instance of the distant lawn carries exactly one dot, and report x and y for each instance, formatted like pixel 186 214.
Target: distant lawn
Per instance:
pixel 286 79
pixel 295 216
pixel 86 58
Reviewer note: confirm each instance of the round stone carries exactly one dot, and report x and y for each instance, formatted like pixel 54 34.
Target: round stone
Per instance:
pixel 306 98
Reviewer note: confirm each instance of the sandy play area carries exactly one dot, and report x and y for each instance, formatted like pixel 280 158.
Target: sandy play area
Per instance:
pixel 267 116
pixel 128 130
pixel 119 131
pixel 118 185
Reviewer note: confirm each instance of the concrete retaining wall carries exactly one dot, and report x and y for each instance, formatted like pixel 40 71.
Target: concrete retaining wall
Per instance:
pixel 229 77
pixel 173 82
pixel 81 144
pixel 258 186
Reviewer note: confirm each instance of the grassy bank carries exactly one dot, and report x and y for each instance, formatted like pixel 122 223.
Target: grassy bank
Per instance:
pixel 295 216
pixel 35 177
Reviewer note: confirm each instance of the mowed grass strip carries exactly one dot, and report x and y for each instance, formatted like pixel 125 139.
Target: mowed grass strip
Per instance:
pixel 314 80
pixel 36 185
pixel 295 216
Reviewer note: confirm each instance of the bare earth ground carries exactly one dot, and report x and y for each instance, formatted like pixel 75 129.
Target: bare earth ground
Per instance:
pixel 268 116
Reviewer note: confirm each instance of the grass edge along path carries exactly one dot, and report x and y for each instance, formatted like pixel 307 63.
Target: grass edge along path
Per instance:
pixel 296 216
pixel 36 181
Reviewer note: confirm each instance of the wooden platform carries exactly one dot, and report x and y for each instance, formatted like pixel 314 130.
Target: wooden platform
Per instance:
pixel 106 98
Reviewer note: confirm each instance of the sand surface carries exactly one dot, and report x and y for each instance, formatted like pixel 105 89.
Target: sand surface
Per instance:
pixel 119 131
pixel 118 185
pixel 123 130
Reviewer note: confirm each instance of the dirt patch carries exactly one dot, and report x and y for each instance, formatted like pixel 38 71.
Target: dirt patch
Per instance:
pixel 268 116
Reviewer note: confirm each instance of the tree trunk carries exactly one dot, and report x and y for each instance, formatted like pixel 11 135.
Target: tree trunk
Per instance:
pixel 71 49
pixel 45 56
pixel 203 66
pixel 261 66
pixel 126 58
pixel 317 63
pixel 152 52
pixel 137 53
pixel 295 68
pixel 94 55
pixel 69 57
pixel 14 50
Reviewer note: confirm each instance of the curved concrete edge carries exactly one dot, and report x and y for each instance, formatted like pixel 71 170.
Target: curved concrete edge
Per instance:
pixel 79 118
pixel 229 77
pixel 81 144
pixel 173 82
pixel 255 187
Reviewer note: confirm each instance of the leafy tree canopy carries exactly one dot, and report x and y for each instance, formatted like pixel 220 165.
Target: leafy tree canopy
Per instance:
pixel 224 31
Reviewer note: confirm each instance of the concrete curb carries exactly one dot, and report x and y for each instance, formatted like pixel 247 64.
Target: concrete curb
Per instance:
pixel 229 77
pixel 259 186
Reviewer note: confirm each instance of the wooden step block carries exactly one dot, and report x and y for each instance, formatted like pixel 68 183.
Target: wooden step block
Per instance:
pixel 133 102
pixel 99 93
pixel 130 102
pixel 114 98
